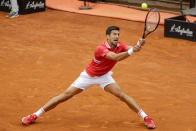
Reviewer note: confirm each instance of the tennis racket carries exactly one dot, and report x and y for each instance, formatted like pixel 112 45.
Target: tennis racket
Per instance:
pixel 152 21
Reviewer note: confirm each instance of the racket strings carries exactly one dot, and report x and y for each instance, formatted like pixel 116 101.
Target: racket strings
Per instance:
pixel 152 21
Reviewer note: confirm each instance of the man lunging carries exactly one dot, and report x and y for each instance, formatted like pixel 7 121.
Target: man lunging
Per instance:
pixel 98 72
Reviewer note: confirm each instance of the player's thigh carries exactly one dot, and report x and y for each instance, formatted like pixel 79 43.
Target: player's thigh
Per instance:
pixel 114 89
pixel 105 80
pixel 71 91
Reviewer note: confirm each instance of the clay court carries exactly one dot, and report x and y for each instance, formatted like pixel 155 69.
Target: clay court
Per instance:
pixel 41 54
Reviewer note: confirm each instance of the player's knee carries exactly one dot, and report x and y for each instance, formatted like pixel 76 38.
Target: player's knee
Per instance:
pixel 121 96
pixel 64 96
pixel 68 94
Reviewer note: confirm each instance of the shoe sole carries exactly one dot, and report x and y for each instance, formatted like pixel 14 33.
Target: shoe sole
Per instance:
pixel 24 123
pixel 13 17
pixel 149 126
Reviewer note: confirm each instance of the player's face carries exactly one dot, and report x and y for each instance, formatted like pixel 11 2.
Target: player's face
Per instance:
pixel 113 37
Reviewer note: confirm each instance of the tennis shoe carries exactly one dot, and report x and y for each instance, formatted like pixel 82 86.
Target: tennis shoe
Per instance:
pixel 149 122
pixel 12 14
pixel 29 119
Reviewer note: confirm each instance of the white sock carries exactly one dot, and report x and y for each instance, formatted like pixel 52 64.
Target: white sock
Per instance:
pixel 39 112
pixel 142 113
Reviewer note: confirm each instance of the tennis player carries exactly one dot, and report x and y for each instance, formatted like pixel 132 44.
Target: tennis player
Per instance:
pixel 98 72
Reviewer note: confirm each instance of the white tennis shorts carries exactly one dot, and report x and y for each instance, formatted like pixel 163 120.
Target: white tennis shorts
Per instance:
pixel 84 80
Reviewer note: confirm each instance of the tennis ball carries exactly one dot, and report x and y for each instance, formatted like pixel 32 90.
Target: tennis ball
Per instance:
pixel 144 6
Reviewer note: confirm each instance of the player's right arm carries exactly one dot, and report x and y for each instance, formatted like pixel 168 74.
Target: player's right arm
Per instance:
pixel 128 52
pixel 117 57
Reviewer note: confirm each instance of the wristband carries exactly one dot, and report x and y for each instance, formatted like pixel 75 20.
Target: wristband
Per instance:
pixel 130 51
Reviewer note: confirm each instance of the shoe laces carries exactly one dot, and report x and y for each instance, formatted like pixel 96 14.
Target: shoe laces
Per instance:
pixel 11 12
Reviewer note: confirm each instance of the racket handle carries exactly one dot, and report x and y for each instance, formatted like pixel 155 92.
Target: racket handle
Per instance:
pixel 143 37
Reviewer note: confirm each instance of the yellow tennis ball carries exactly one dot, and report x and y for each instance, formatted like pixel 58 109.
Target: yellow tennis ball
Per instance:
pixel 144 6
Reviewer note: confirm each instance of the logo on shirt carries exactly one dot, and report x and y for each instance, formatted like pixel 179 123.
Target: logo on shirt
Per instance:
pixel 96 61
pixel 106 50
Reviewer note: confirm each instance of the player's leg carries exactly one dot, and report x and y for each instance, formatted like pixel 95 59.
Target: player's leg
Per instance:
pixel 67 94
pixel 115 90
pixel 107 83
pixel 14 12
pixel 81 83
pixel 52 103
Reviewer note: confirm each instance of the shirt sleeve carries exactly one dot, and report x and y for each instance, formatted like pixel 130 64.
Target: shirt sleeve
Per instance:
pixel 101 52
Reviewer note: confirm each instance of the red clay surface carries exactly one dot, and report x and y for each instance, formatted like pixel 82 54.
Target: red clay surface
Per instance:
pixel 41 54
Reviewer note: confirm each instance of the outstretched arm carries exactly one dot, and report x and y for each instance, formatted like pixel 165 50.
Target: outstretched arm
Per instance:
pixel 124 55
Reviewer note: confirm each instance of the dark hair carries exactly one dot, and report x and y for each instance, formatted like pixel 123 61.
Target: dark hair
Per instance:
pixel 110 28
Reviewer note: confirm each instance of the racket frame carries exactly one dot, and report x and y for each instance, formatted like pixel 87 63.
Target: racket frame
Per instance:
pixel 144 33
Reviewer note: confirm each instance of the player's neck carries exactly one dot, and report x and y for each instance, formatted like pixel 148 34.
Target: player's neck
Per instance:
pixel 111 45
